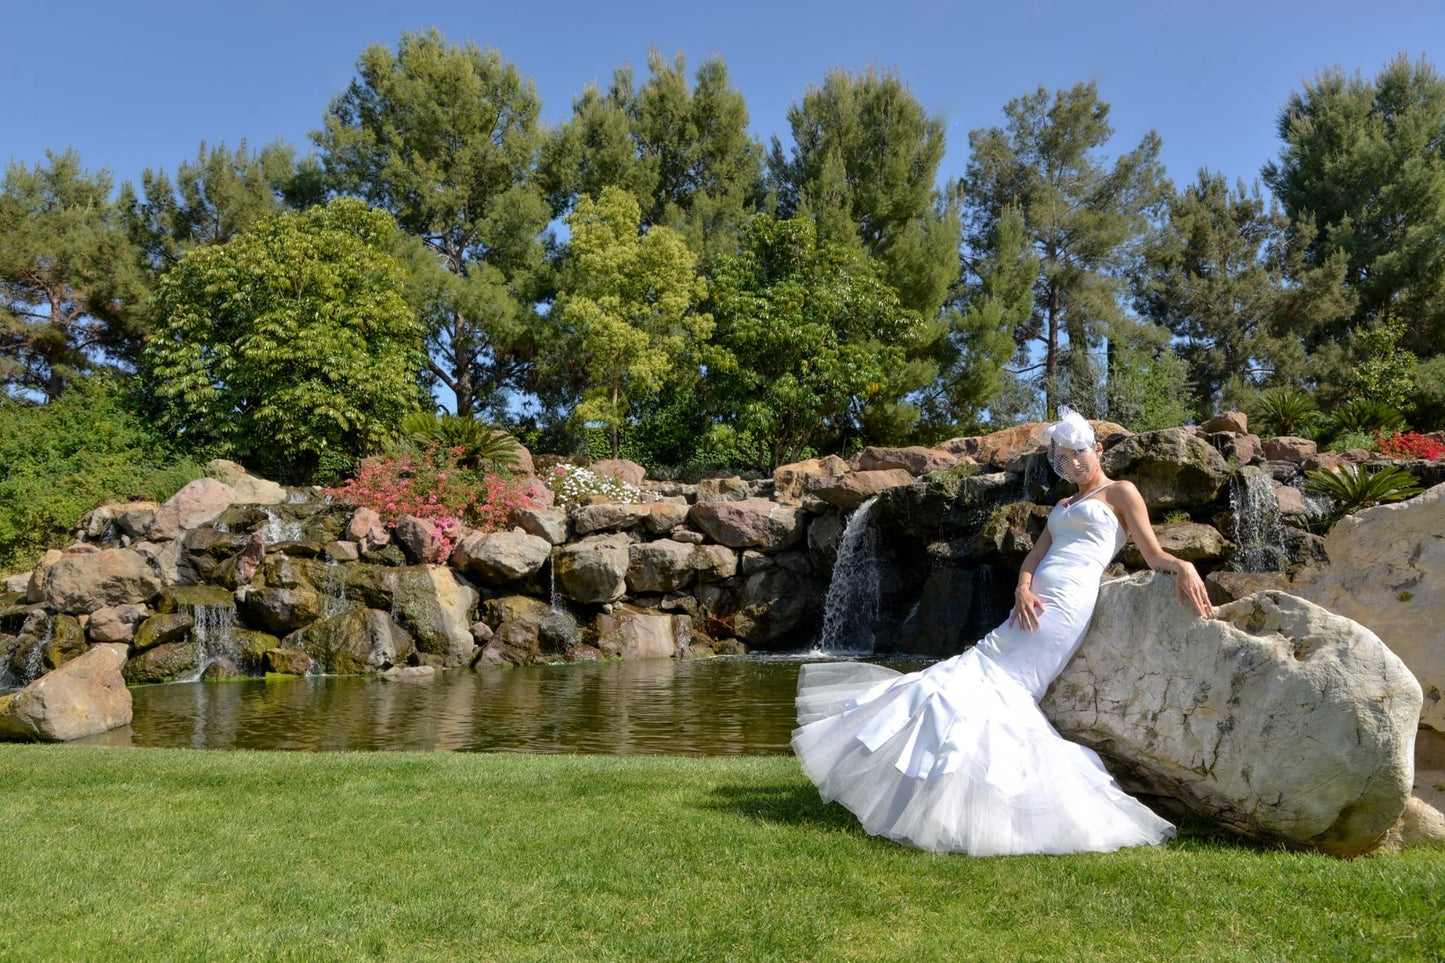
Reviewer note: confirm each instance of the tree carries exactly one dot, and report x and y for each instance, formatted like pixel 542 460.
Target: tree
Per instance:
pixel 683 152
pixel 71 283
pixel 215 197
pixel 289 348
pixel 808 341
pixel 1082 216
pixel 627 304
pixel 1214 277
pixel 864 163
pixel 444 138
pixel 1361 175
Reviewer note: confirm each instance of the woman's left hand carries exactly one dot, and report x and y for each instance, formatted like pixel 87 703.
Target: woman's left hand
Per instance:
pixel 1191 590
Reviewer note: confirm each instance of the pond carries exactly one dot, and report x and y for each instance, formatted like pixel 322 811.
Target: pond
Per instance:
pixel 706 707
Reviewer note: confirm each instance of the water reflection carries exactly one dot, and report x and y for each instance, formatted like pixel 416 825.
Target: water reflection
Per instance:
pixel 724 706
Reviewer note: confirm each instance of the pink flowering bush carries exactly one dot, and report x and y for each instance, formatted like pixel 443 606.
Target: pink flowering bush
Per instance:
pixel 432 485
pixel 1409 445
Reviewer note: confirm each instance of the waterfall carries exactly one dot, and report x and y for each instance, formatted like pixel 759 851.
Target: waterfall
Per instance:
pixel 333 599
pixel 1258 531
pixel 277 530
pixel 851 607
pixel 35 658
pixel 213 631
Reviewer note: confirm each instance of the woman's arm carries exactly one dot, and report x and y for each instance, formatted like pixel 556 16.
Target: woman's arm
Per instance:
pixel 1027 605
pixel 1126 500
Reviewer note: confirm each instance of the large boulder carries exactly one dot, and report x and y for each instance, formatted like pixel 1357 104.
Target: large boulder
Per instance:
pixel 1173 468
pixel 594 569
pixel 608 517
pixel 422 539
pixel 847 492
pixel 548 523
pixel 84 696
pixel 660 566
pixel 914 459
pixel 115 623
pixel 436 607
pixel 198 503
pixel 279 611
pixel 621 468
pixel 1387 572
pixel 792 482
pixel 750 523
pixel 357 640
pixel 1191 541
pixel 77 584
pixel 1279 720
pixel 366 529
pixel 249 489
pixel 499 558
pixel 169 662
pixel 634 633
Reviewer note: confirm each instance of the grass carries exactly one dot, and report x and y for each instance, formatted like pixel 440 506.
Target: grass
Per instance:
pixel 180 854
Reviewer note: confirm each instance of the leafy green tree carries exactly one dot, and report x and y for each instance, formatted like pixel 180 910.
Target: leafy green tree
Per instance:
pixel 1361 175
pixel 627 305
pixel 683 151
pixel 215 197
pixel 808 341
pixel 1214 277
pixel 864 163
pixel 71 282
pixel 444 138
pixel 289 348
pixel 1148 385
pixel 1083 216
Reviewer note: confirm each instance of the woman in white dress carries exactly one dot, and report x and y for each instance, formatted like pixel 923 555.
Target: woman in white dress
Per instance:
pixel 958 757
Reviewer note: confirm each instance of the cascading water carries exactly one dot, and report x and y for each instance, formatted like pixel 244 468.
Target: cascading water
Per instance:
pixel 850 610
pixel 1258 530
pixel 35 658
pixel 334 592
pixel 213 630
pixel 278 529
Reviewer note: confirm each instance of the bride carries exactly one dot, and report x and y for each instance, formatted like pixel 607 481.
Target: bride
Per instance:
pixel 958 757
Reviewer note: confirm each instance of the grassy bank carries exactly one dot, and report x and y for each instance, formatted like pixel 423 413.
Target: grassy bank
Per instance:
pixel 132 854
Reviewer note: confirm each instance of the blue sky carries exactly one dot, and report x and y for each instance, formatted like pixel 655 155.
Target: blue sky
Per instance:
pixel 135 85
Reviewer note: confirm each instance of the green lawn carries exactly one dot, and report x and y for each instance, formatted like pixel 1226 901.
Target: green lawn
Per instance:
pixel 183 854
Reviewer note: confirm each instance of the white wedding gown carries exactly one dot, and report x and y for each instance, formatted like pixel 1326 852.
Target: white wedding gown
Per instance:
pixel 958 757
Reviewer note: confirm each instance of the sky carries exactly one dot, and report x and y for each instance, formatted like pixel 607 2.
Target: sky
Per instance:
pixel 141 84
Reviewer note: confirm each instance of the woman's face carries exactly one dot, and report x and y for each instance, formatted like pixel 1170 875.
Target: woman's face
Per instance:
pixel 1074 464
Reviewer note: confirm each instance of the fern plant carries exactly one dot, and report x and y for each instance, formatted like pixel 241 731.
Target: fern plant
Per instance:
pixel 1284 411
pixel 1352 488
pixel 482 445
pixel 1363 417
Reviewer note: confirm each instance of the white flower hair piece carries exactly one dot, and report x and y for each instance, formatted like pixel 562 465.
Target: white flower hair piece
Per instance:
pixel 1071 431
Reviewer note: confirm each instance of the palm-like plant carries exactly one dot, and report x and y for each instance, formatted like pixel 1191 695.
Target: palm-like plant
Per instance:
pixel 481 444
pixel 1352 488
pixel 1284 411
pixel 1364 417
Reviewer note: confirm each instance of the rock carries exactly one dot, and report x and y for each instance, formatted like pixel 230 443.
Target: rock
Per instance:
pixel 515 642
pixel 84 696
pixel 507 607
pixel 178 598
pixel 688 535
pixel 664 516
pixel 853 489
pixel 779 609
pixel 17 583
pixel 1421 824
pixel 45 642
pixel 279 611
pixel 1288 448
pixel 1279 720
pixel 714 563
pixel 634 633
pixel 594 569
pixel 84 583
pixel 1191 541
pixel 422 539
pixel 792 482
pixel 203 550
pixel 1234 421
pixel 629 471
pixel 499 558
pixel 389 555
pixel 165 663
pixel 1010 532
pixel 583 653
pixel 1173 468
pixel 410 673
pixel 115 623
pixel 914 459
pixel 1237 449
pixel 660 566
pixel 342 551
pixel 729 489
pixel 824 534
pixel 1291 501
pixel 1225 587
pixel 366 530
pixel 436 608
pixel 288 661
pixel 548 523
pixel 199 502
pixel 750 523
pixel 1331 460
pixel 481 633
pixel 755 561
pixel 356 640
pixel 136 518
pixel 249 489
pixel 608 517
pixel 1387 571
pixel 162 630
pixel 35 588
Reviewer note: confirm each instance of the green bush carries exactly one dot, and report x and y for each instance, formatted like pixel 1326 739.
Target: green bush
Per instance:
pixel 59 460
pixel 1351 440
pixel 1352 488
pixel 1283 411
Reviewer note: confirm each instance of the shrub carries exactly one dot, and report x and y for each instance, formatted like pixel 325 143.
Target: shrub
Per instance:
pixel 572 483
pixel 1411 444
pixel 1284 411
pixel 59 460
pixel 1351 440
pixel 1352 488
pixel 1364 417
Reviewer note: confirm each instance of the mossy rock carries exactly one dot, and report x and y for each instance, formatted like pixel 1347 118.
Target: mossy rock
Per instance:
pixel 1010 532
pixel 390 554
pixel 371 585
pixel 175 598
pixel 164 663
pixel 161 629
pixel 356 640
pixel 252 645
pixel 286 572
pixel 298 549
pixel 241 518
pixel 212 543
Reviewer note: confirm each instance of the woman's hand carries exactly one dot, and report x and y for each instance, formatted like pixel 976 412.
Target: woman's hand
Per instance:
pixel 1191 589
pixel 1027 607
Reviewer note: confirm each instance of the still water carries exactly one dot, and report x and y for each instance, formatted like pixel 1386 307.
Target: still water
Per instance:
pixel 707 707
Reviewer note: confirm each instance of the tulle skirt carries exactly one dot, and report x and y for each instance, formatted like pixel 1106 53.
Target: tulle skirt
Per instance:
pixel 958 758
